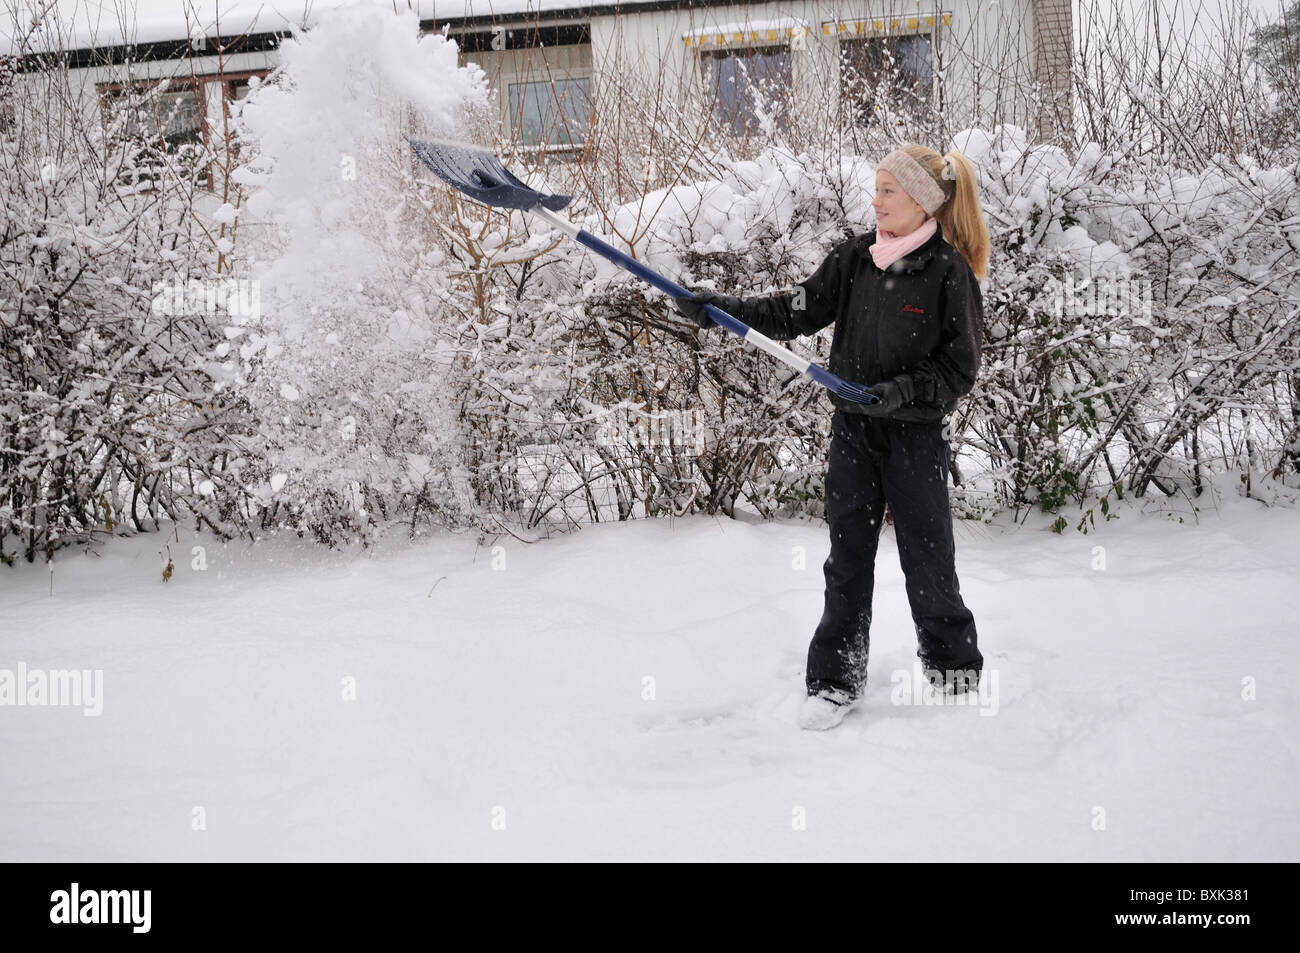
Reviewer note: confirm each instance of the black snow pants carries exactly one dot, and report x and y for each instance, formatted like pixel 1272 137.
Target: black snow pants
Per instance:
pixel 873 461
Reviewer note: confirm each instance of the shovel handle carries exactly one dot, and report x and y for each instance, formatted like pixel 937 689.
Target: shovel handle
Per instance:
pixel 847 389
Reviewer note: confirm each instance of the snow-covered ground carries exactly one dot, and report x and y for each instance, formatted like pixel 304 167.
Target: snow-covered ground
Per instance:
pixel 629 692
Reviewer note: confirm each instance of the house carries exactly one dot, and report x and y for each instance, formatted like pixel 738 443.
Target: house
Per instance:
pixel 991 60
pixel 1003 61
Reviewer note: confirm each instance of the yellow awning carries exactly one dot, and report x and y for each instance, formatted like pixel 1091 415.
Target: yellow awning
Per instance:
pixel 883 25
pixel 759 35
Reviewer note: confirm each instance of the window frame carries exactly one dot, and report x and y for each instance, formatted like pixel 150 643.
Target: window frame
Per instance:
pixel 199 84
pixel 549 79
pixel 729 51
pixel 792 37
pixel 106 91
pixel 930 26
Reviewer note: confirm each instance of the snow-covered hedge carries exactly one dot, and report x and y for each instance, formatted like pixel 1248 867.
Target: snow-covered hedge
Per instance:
pixel 1141 323
pixel 399 354
pixel 108 413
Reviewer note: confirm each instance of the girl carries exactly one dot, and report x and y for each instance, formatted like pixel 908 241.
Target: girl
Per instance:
pixel 908 314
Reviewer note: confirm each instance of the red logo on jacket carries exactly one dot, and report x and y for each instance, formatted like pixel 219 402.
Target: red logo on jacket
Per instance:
pixel 914 309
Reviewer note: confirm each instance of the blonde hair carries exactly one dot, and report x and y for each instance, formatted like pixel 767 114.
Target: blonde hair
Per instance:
pixel 961 217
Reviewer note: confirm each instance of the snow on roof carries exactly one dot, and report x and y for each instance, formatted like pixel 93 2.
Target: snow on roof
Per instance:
pixel 85 24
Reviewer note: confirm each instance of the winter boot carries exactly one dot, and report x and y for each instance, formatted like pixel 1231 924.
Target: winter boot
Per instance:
pixel 824 709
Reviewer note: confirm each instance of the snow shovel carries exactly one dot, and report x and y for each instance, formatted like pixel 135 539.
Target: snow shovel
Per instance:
pixel 480 175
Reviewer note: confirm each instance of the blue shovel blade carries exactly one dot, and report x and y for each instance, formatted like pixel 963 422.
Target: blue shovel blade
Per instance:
pixel 480 175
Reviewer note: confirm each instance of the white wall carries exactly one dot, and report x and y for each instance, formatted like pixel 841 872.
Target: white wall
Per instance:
pixel 86 81
pixel 981 38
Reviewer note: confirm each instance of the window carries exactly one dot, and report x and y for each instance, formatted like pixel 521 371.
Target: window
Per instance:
pixel 887 72
pixel 239 88
pixel 172 121
pixel 542 79
pixel 744 83
pixel 551 112
pixel 156 122
pixel 169 119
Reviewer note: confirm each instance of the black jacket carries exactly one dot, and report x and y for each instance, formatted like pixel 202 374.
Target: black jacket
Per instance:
pixel 919 323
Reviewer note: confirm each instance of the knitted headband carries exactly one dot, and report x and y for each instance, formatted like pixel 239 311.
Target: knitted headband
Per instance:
pixel 915 180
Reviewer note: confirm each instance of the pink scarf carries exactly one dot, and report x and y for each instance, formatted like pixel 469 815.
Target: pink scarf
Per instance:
pixel 889 247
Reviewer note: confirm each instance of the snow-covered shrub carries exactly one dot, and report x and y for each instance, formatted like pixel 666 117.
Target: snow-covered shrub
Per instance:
pixel 1134 310
pixel 108 415
pixel 1118 357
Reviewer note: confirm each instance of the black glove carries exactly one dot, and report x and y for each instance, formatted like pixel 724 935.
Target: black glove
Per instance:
pixel 692 306
pixel 893 394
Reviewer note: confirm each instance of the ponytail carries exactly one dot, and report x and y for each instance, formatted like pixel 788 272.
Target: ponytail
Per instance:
pixel 961 217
